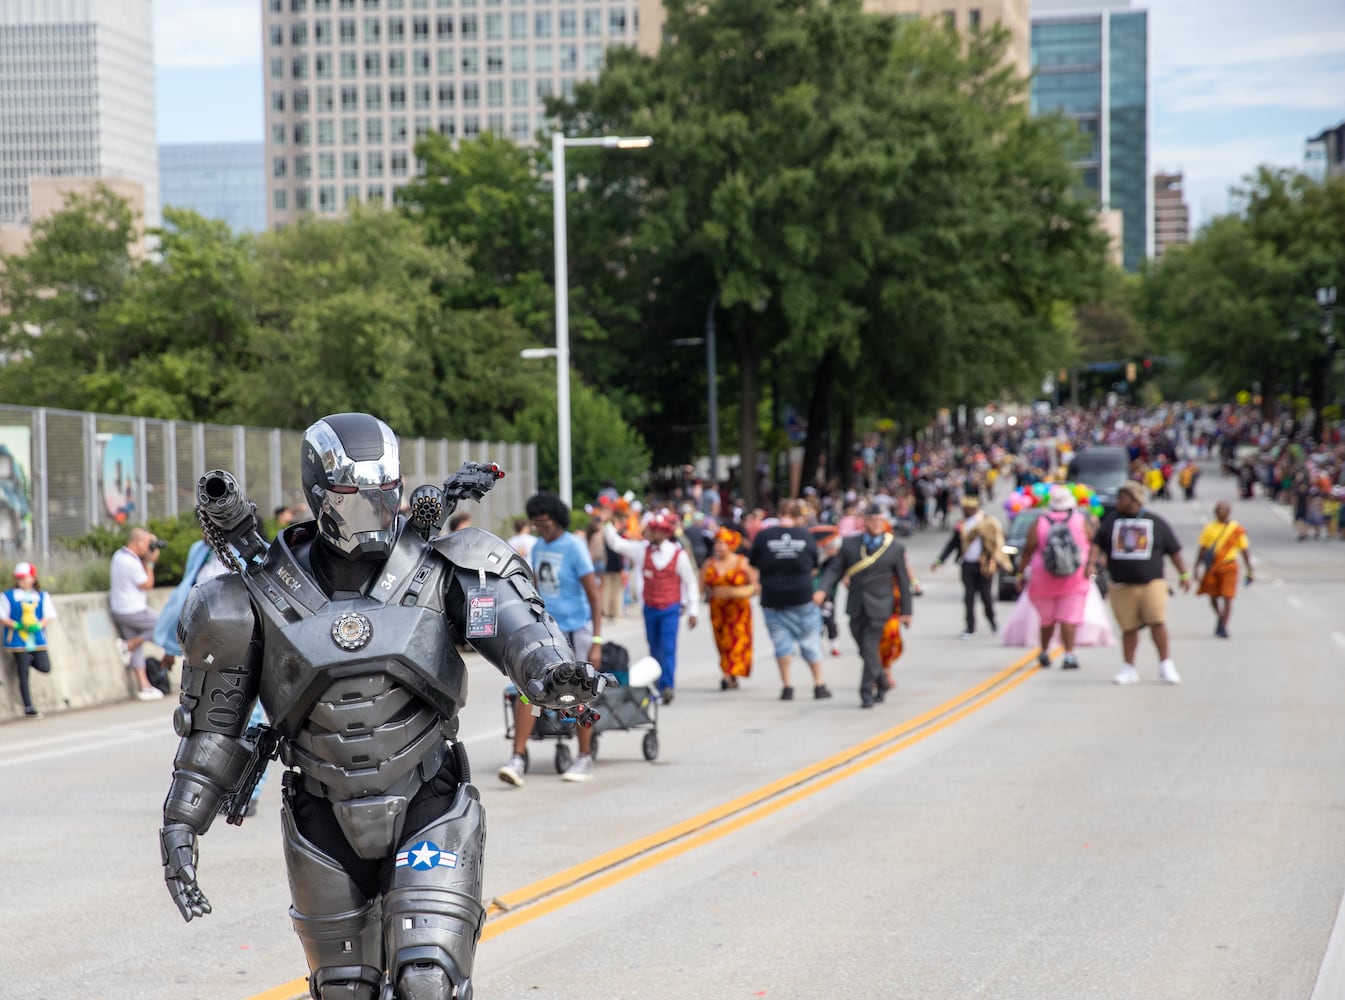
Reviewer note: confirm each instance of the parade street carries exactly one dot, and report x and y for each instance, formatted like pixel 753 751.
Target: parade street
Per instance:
pixel 993 830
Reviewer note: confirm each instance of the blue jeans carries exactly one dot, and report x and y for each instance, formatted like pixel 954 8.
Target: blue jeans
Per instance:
pixel 660 628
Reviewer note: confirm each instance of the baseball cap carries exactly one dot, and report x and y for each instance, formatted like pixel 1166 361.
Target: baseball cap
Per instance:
pixel 24 569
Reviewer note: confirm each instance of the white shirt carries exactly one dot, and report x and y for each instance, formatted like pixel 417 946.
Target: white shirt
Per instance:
pixel 634 550
pixel 522 543
pixel 973 550
pixel 128 575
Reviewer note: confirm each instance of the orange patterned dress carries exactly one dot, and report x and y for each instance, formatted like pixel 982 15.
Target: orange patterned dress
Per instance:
pixel 731 618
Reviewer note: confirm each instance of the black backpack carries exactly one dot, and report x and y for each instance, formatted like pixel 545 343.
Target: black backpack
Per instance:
pixel 1060 552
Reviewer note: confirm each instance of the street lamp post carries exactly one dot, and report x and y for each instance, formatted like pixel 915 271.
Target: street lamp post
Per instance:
pixel 558 145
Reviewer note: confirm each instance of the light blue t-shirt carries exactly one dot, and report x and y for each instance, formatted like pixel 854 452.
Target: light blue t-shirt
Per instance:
pixel 559 566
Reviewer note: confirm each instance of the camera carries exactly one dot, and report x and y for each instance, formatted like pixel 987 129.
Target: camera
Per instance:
pixel 158 545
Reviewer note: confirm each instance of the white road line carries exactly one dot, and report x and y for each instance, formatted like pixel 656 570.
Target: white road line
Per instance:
pixel 82 747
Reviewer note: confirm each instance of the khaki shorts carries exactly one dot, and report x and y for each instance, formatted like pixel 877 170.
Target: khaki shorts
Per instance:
pixel 1137 605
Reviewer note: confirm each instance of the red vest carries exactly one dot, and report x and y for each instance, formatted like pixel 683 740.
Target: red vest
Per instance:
pixel 662 587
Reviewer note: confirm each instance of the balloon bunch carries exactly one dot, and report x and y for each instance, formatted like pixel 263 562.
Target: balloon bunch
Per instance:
pixel 1036 495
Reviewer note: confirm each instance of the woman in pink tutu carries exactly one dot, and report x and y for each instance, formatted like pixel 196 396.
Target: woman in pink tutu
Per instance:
pixel 1059 591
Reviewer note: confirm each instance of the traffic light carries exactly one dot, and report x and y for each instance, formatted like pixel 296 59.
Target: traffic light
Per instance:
pixel 1148 364
pixel 1130 371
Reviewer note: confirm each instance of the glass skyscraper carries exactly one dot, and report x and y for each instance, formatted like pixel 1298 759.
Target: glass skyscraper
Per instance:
pixel 1090 61
pixel 76 97
pixel 219 180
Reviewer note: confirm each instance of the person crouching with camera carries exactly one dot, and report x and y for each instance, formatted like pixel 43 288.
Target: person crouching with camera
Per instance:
pixel 128 601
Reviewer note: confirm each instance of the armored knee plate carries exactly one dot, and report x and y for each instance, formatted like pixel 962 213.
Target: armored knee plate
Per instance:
pixel 338 927
pixel 432 912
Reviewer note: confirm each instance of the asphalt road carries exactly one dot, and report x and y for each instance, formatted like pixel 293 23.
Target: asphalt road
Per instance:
pixel 1067 839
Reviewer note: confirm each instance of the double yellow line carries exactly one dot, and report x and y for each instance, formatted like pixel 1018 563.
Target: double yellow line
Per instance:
pixel 557 891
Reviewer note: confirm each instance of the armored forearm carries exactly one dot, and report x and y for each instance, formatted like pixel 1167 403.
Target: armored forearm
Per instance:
pixel 212 756
pixel 526 642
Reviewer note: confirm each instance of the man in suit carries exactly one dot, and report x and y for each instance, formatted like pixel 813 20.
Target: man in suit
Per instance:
pixel 873 567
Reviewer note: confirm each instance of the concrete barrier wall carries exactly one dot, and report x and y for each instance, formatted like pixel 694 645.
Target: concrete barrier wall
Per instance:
pixel 85 668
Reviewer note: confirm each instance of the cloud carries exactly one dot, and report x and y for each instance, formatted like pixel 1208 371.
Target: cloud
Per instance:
pixel 193 33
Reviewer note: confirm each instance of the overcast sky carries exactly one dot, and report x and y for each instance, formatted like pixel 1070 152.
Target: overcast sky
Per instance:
pixel 1235 83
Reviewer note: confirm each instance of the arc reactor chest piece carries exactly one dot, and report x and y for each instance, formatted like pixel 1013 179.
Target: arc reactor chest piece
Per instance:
pixel 351 631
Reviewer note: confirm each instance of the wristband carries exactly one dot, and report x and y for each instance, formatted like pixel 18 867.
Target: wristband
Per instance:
pixel 1184 576
pixel 595 641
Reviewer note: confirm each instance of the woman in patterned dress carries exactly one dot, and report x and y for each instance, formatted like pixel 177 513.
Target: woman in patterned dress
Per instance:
pixel 729 583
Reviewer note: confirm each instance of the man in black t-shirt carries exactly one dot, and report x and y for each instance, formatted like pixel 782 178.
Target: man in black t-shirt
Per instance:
pixel 1135 542
pixel 786 556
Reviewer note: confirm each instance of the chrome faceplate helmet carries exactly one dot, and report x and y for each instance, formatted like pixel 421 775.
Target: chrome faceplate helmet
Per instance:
pixel 353 483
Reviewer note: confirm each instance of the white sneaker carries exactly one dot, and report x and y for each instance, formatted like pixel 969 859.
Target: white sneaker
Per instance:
pixel 580 770
pixel 1128 675
pixel 123 653
pixel 149 694
pixel 512 773
pixel 1167 670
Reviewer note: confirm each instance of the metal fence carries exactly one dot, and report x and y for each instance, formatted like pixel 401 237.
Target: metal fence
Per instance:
pixel 64 472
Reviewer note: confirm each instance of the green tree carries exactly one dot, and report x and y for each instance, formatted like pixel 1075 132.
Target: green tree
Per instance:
pixel 603 446
pixel 56 296
pixel 870 200
pixel 1239 303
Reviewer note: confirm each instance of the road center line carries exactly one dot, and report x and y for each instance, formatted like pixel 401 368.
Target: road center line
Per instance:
pixel 587 878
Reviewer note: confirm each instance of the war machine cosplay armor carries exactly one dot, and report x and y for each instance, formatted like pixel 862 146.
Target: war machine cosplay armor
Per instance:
pixel 346 628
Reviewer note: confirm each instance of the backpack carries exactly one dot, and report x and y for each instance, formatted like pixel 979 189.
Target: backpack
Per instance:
pixel 1060 552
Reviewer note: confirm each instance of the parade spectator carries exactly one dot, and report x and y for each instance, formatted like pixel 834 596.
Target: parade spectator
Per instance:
pixel 132 578
pixel 614 569
pixel 462 519
pixel 668 588
pixel 25 613
pixel 1134 542
pixel 785 554
pixel 1217 563
pixel 563 570
pixel 522 540
pixel 1058 597
pixel 1188 477
pixel 729 582
pixel 872 565
pixel 978 542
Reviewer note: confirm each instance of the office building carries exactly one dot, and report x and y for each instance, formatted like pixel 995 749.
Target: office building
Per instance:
pixel 1172 217
pixel 1090 61
pixel 1324 153
pixel 76 98
pixel 352 84
pixel 219 180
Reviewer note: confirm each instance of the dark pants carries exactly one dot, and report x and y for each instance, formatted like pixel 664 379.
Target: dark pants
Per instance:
pixel 868 634
pixel 24 660
pixel 973 583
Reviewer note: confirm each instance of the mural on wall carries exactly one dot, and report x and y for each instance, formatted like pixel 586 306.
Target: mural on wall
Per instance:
pixel 116 475
pixel 16 511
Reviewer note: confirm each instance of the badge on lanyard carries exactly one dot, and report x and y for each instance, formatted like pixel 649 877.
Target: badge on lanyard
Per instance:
pixel 481 612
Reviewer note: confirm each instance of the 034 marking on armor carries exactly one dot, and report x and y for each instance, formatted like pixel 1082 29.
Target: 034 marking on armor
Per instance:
pixel 352 631
pixel 425 856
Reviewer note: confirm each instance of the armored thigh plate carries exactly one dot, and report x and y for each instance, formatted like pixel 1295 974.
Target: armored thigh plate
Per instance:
pixel 337 926
pixel 432 912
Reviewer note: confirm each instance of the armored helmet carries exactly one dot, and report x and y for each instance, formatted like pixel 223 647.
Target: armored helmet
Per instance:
pixel 352 479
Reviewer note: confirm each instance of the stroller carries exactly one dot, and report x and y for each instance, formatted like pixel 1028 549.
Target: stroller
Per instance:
pixel 620 707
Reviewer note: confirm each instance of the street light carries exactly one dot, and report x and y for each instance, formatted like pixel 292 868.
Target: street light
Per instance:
pixel 558 145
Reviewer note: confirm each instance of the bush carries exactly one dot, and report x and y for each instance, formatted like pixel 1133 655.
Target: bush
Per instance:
pixel 88 556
